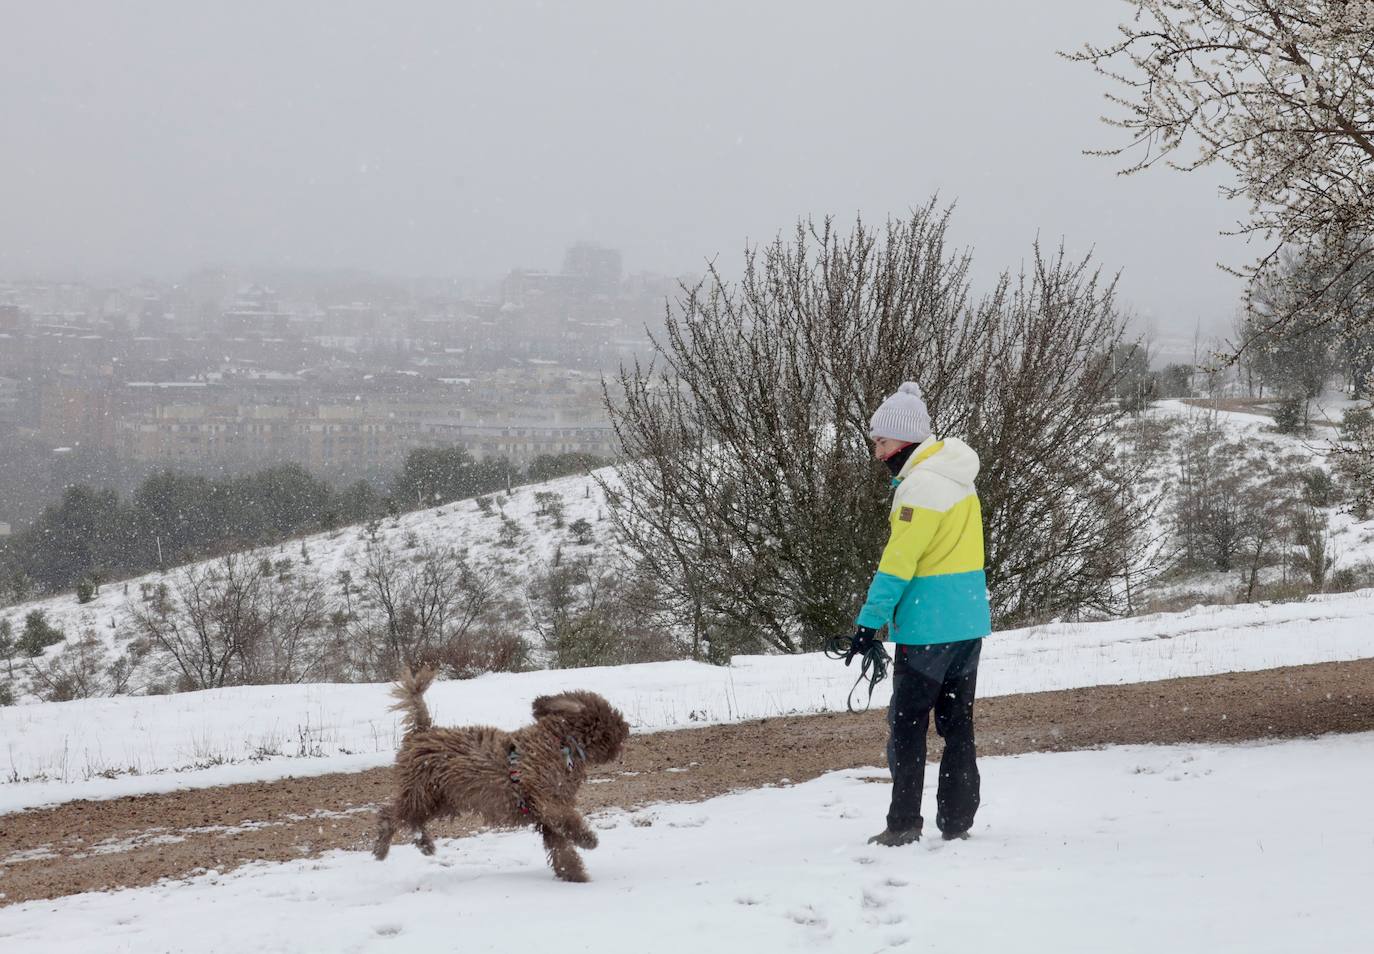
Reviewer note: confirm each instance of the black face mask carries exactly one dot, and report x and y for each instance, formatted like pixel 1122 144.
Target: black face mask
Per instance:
pixel 897 461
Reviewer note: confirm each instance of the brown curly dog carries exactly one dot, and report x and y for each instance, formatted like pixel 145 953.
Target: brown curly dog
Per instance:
pixel 528 777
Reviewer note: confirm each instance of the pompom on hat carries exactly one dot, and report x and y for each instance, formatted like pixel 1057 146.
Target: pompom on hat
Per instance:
pixel 902 417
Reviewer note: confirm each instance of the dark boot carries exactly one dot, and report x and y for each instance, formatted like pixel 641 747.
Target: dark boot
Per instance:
pixel 890 838
pixel 954 835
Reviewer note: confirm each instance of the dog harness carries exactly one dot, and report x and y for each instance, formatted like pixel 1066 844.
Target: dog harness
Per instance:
pixel 571 747
pixel 513 760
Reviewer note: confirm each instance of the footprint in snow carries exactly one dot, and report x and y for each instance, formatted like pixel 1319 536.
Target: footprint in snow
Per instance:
pixel 389 930
pixel 696 822
pixel 875 908
pixel 808 916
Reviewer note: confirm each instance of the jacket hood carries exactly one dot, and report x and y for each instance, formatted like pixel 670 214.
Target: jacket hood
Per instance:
pixel 950 458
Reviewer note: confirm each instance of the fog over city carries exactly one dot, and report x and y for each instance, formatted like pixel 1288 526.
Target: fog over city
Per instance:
pixel 461 140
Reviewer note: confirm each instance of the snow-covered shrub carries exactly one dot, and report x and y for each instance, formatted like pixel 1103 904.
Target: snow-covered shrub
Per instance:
pixel 1353 457
pixel 82 670
pixel 437 608
pixel 589 613
pixel 38 634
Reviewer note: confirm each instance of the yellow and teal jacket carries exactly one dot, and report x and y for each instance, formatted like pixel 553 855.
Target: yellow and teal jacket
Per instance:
pixel 930 586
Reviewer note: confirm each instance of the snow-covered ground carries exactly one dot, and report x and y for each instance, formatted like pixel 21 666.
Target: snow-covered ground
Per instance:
pixel 60 751
pixel 1142 849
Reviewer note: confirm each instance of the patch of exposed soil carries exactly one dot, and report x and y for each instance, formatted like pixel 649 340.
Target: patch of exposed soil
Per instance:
pixel 100 845
pixel 1244 405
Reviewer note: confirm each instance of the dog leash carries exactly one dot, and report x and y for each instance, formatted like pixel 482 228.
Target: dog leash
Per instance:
pixel 873 668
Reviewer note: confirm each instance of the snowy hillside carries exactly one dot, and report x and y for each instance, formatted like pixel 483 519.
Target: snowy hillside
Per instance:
pixel 501 530
pixel 1154 852
pixel 511 533
pixel 102 748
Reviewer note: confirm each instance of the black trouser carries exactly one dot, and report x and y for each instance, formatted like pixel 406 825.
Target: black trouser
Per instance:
pixel 942 677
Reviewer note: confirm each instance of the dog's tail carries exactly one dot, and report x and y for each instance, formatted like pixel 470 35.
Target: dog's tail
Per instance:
pixel 409 693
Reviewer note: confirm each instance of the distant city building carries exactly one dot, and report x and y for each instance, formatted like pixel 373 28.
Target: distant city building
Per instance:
pixel 11 319
pixel 323 439
pixel 9 406
pixel 75 409
pixel 598 268
pixel 522 442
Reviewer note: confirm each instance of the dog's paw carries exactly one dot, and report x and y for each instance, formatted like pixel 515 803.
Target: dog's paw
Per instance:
pixel 586 839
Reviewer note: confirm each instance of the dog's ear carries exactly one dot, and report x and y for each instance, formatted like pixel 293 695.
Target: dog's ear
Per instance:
pixel 560 705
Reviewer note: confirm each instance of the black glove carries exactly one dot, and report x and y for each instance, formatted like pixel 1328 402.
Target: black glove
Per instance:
pixel 864 639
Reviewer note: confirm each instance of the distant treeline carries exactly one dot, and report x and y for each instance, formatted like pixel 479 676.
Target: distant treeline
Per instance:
pixel 93 535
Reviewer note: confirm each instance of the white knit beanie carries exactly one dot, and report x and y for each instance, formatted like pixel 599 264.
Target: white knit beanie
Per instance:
pixel 903 416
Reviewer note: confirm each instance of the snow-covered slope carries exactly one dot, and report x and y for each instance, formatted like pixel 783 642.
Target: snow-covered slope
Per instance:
pixel 463 524
pixel 467 526
pixel 1190 849
pixel 59 751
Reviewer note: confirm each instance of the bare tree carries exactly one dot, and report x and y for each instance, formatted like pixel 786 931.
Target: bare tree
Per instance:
pixel 237 621
pixel 208 621
pixel 430 608
pixel 1299 363
pixel 1282 92
pixel 296 642
pixel 590 613
pixel 1247 508
pixel 746 486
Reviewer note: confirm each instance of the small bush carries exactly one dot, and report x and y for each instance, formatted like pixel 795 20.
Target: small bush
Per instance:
pixel 1353 459
pixel 597 615
pixel 1288 416
pixel 1312 554
pixel 1319 490
pixel 83 670
pixel 1176 381
pixel 85 590
pixel 1356 577
pixel 478 653
pixel 549 504
pixel 38 634
pixel 7 646
pixel 581 531
pixel 510 532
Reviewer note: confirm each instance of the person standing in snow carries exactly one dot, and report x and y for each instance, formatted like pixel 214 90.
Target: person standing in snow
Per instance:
pixel 931 594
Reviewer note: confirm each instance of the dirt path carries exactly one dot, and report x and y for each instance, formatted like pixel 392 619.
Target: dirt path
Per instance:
pixel 89 846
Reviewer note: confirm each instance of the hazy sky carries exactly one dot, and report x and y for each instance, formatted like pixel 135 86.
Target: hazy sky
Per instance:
pixel 448 138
